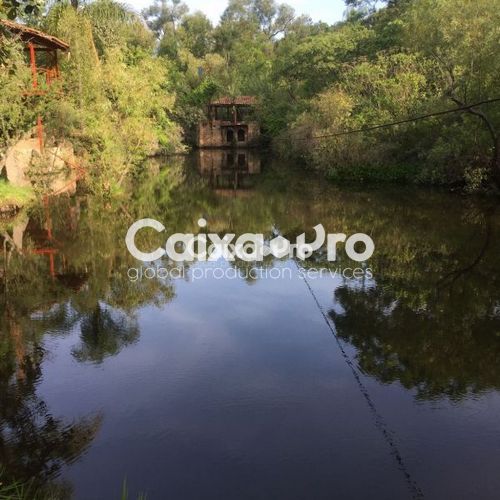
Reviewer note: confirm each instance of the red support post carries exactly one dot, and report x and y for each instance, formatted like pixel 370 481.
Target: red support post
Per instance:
pixel 33 65
pixel 52 266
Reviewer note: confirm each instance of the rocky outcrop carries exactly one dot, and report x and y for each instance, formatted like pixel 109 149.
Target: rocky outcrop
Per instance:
pixel 18 160
pixel 25 166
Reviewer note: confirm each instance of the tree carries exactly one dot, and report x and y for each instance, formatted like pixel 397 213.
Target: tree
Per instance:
pixel 363 6
pixel 267 15
pixel 196 34
pixel 164 13
pixel 17 8
pixel 462 37
pixel 113 24
pixel 15 116
pixel 317 61
pixel 117 97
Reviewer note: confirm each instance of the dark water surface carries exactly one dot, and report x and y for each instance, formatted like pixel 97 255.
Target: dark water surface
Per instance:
pixel 253 387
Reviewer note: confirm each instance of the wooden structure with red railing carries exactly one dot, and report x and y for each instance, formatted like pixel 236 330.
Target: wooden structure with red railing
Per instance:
pixel 42 50
pixel 43 58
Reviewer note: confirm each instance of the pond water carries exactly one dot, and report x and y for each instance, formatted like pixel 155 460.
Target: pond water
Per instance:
pixel 283 380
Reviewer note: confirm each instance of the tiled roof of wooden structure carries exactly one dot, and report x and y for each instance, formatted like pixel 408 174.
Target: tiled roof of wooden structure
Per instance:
pixel 32 35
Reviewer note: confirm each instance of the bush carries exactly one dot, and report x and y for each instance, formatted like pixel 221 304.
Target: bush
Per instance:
pixel 16 114
pixel 116 106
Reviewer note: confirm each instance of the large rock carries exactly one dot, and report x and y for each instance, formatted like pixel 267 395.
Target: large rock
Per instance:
pixel 18 161
pixel 51 171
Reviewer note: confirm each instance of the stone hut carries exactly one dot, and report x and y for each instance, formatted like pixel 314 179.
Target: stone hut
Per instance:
pixel 230 124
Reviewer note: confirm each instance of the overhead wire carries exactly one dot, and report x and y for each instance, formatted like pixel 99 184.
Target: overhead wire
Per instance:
pixel 399 122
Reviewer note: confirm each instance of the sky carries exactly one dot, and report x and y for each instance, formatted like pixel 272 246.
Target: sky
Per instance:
pixel 329 11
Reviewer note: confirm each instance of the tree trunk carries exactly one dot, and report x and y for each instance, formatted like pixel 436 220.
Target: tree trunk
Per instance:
pixel 495 137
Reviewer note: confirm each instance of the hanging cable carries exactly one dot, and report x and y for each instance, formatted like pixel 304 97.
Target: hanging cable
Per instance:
pixel 399 122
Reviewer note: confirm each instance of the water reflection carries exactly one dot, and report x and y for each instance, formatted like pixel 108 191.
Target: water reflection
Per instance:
pixel 429 320
pixel 105 332
pixel 34 443
pixel 229 171
pixel 60 272
pixel 434 323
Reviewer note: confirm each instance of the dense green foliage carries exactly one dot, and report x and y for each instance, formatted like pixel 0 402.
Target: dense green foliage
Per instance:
pixel 15 115
pixel 131 85
pixel 115 100
pixel 407 59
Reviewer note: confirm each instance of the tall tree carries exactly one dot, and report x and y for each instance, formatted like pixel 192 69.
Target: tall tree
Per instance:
pixel 19 8
pixel 463 38
pixel 196 33
pixel 164 13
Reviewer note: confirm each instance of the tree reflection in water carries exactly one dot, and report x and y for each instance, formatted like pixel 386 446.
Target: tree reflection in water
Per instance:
pixel 430 319
pixel 34 444
pixel 63 268
pixel 105 332
pixel 434 325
